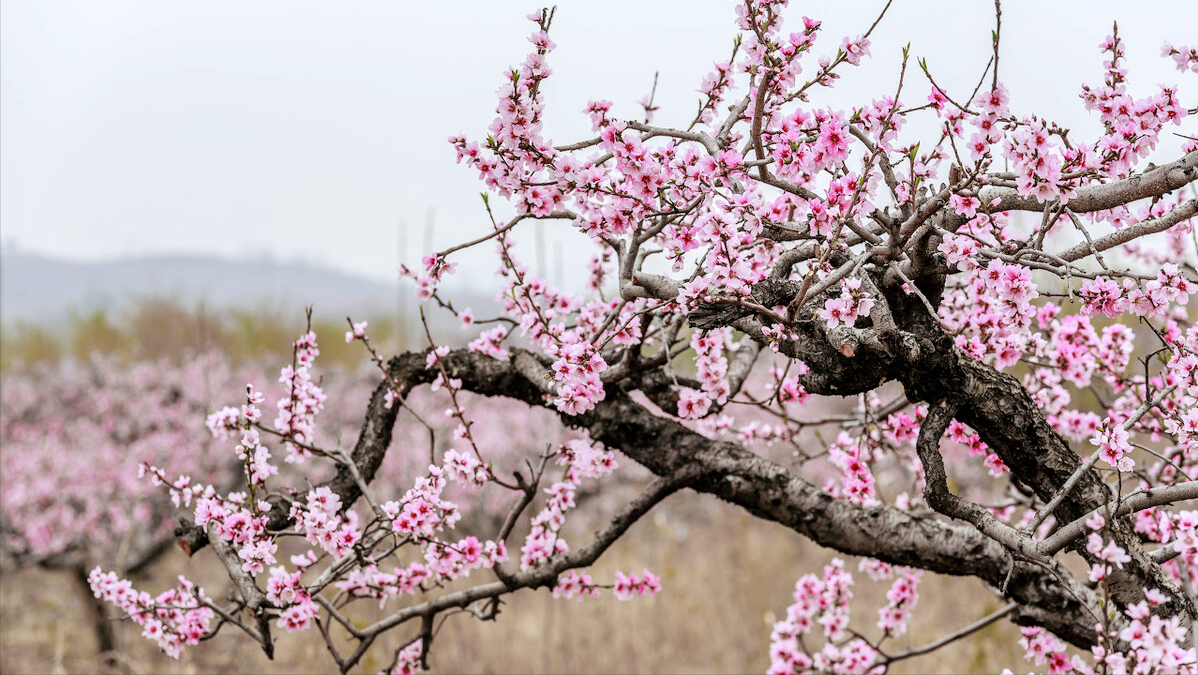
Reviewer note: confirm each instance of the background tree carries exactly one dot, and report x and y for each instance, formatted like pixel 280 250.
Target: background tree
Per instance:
pixel 998 292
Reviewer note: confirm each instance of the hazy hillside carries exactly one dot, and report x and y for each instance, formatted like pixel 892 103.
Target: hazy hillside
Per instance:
pixel 41 290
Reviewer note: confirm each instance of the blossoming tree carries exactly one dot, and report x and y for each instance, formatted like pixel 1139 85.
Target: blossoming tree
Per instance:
pixel 1003 292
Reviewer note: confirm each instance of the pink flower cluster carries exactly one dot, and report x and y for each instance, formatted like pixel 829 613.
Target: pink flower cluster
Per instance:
pixel 767 48
pixel 711 363
pixel 1185 57
pixel 790 390
pixel 1111 299
pixel 296 420
pixel 369 582
pixel 1184 425
pixel 435 268
pixel 712 366
pixel 1045 649
pixel 1105 296
pixel 515 140
pixel 582 459
pixel 577 371
pixel 852 303
pixel 1155 642
pixel 322 523
pixel 544 541
pixel 461 467
pixel 1154 645
pixel 987 123
pixel 852 456
pixel 1037 162
pixel 1113 446
pixel 237 524
pixel 993 311
pixel 1132 126
pixel 809 142
pixel 692 403
pixel 251 451
pixel 826 602
pixel 422 512
pixel 1078 352
pixel 407 660
pixel 585 460
pixel 902 596
pixel 629 586
pixel 574 583
pixel 959 251
pixel 490 342
pixel 714 87
pixel 1176 529
pixel 961 433
pixel 357 332
pixel 1111 554
pixel 175 618
pixel 287 593
pixel 239 517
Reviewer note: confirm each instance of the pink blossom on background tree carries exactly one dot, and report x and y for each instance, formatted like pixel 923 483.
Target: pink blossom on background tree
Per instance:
pixel 1026 291
pixel 72 439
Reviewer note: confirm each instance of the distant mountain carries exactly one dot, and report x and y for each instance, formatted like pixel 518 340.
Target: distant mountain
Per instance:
pixel 41 290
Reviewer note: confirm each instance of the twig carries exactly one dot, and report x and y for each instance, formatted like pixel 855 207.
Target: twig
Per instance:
pixel 954 636
pixel 997 35
pixel 1122 236
pixel 1137 501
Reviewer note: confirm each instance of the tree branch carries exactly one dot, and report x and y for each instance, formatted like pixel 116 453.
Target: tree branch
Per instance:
pixel 1140 229
pixel 771 492
pixel 1153 183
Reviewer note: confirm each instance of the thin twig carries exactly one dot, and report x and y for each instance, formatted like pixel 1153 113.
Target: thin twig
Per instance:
pixel 954 636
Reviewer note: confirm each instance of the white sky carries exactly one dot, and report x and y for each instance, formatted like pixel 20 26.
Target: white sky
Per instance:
pixel 313 130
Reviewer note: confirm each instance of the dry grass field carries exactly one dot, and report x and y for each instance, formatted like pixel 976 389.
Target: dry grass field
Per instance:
pixel 726 576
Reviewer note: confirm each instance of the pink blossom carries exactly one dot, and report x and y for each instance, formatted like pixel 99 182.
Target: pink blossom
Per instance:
pixel 1113 446
pixel 357 333
pixel 1103 295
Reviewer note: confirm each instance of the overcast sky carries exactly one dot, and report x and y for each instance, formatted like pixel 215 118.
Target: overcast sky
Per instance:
pixel 316 130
